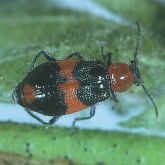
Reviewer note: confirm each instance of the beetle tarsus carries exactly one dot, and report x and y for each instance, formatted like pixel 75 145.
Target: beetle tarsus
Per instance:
pixel 92 113
pixel 53 120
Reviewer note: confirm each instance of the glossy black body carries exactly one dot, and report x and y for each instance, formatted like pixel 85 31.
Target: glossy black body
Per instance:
pixel 49 99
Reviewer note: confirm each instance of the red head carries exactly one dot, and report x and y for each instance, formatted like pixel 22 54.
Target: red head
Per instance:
pixel 121 77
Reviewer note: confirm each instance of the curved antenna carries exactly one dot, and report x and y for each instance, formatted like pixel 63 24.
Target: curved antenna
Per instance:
pixel 134 66
pixel 137 42
pixel 151 99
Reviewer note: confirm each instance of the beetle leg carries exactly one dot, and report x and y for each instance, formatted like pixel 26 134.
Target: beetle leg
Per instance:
pixel 53 120
pixel 106 57
pixel 48 57
pixel 109 59
pixel 36 117
pixel 102 52
pixel 76 54
pixel 114 96
pixel 92 113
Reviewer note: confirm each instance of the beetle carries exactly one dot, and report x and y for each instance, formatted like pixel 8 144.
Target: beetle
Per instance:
pixel 60 87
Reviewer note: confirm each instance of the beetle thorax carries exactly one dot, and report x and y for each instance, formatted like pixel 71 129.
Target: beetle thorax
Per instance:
pixel 121 77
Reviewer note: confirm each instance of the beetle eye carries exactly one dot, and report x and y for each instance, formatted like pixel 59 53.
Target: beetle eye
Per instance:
pixel 137 77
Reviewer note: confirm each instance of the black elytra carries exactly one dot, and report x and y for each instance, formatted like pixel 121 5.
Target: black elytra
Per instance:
pixel 46 93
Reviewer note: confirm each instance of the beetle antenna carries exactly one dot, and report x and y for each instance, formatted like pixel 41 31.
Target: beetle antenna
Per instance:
pixel 151 99
pixel 137 42
pixel 133 65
